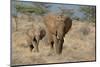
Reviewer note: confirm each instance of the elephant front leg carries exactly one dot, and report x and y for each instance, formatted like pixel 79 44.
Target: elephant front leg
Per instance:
pixel 55 44
pixel 31 47
pixel 36 49
pixel 51 47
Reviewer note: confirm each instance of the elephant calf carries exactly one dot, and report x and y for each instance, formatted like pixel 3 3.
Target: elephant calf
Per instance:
pixel 29 39
pixel 57 26
pixel 36 33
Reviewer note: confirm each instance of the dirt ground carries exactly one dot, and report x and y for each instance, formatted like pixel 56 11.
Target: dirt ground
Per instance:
pixel 79 45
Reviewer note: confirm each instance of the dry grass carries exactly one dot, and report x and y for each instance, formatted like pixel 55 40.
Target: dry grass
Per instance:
pixel 79 45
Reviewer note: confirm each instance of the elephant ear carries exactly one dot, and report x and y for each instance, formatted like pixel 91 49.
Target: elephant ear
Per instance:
pixel 42 33
pixel 68 24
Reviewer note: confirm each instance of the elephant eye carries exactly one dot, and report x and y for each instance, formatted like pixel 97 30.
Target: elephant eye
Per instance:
pixel 58 17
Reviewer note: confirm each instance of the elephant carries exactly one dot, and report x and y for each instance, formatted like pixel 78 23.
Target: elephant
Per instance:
pixel 36 33
pixel 28 39
pixel 57 26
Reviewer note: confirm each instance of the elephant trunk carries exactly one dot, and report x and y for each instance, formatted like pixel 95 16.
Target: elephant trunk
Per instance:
pixel 59 46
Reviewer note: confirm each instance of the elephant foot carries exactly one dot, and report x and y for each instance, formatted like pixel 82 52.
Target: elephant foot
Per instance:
pixel 51 52
pixel 35 51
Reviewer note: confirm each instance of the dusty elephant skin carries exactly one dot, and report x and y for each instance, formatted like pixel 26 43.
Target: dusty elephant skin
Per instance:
pixel 57 26
pixel 36 34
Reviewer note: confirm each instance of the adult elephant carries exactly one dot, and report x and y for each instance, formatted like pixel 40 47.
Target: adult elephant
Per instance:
pixel 57 26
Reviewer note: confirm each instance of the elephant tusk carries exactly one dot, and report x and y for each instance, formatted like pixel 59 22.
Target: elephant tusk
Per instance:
pixel 58 37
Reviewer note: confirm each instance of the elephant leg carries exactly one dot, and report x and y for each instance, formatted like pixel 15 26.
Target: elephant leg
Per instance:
pixel 50 41
pixel 31 47
pixel 51 50
pixel 51 45
pixel 37 49
pixel 55 44
pixel 35 44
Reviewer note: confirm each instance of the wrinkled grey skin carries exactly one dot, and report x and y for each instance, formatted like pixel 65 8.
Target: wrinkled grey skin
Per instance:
pixel 57 27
